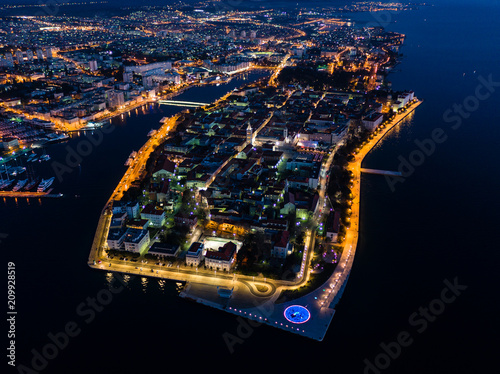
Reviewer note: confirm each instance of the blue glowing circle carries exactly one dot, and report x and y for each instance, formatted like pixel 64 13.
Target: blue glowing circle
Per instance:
pixel 297 314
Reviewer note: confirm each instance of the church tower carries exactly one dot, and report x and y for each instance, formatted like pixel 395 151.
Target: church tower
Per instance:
pixel 249 134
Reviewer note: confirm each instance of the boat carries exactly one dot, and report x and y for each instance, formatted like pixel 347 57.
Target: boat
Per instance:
pixel 33 157
pixel 44 156
pixel 31 184
pixel 44 184
pixel 131 158
pixel 16 170
pixel 7 184
pixel 20 184
pixel 54 138
pixel 93 125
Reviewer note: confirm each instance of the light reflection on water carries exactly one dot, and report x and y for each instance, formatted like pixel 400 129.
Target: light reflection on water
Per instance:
pixel 126 278
pixel 109 279
pixel 144 283
pixel 161 284
pixel 401 130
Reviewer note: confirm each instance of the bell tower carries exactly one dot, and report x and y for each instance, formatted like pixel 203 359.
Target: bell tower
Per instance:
pixel 249 134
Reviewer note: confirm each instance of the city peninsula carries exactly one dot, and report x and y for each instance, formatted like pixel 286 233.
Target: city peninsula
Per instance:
pixel 251 201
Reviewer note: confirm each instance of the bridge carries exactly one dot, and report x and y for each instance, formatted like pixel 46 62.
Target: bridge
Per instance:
pixel 381 172
pixel 190 104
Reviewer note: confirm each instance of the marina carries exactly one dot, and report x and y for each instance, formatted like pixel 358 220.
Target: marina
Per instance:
pixel 18 177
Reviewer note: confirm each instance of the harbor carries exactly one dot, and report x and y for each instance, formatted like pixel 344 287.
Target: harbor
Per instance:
pixel 18 177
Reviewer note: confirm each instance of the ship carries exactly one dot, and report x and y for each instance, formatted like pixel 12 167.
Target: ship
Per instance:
pixel 44 184
pixel 20 184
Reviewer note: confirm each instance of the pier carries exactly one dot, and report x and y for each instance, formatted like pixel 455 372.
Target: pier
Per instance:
pixel 29 194
pixel 381 172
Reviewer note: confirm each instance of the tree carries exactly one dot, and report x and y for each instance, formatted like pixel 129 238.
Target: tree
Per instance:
pixel 299 239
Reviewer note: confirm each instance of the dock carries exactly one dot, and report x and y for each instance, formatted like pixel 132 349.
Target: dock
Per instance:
pixel 29 194
pixel 381 172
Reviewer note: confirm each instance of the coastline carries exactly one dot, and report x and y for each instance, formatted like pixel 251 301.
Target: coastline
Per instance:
pixel 245 300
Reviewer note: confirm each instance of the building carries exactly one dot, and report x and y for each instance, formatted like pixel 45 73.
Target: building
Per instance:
pixel 19 56
pixel 332 226
pixel 223 258
pixel 163 250
pixel 249 134
pixel 141 224
pixel 118 220
pixel 115 99
pixel 93 65
pixel 39 54
pixel 155 215
pixel 182 219
pixel 152 69
pixel 372 121
pixel 147 82
pixel 50 52
pixel 298 51
pixel 29 55
pixel 9 58
pixel 164 169
pixel 9 143
pixel 115 239
pixel 10 102
pixel 402 100
pixel 194 255
pixel 132 209
pixel 128 77
pixel 136 240
pixel 282 246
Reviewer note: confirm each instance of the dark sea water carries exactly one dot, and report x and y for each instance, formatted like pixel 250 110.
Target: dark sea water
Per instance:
pixel 439 225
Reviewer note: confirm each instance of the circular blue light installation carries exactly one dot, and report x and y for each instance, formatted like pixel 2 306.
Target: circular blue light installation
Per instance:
pixel 297 314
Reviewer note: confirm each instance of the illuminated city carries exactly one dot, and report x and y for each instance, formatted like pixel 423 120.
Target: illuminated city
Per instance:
pixel 224 149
